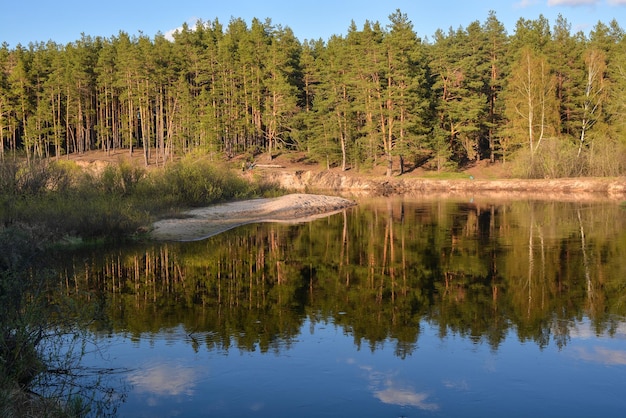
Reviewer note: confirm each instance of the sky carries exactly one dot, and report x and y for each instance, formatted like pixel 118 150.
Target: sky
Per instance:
pixel 63 21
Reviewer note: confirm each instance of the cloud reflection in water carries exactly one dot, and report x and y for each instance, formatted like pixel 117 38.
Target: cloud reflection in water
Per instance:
pixel 601 355
pixel 389 390
pixel 164 380
pixel 405 397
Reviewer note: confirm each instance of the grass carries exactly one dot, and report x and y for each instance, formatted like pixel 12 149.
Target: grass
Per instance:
pixel 59 200
pixel 445 175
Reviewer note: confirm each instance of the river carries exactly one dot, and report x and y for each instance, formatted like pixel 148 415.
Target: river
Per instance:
pixel 398 307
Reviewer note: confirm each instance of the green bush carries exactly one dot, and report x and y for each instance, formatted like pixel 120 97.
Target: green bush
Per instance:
pixel 553 159
pixel 120 179
pixel 59 199
pixel 196 182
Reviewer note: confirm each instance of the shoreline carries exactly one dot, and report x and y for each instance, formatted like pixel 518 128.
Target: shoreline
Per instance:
pixel 201 223
pixel 583 188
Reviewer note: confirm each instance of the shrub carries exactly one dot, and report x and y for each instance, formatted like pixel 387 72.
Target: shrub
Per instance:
pixel 195 182
pixel 121 179
pixel 19 338
pixel 606 157
pixel 59 199
pixel 554 158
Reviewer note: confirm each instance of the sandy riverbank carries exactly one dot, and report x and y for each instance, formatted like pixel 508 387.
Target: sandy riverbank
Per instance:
pixel 205 222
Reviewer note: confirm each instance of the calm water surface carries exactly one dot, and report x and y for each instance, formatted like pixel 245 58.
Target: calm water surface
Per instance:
pixel 399 307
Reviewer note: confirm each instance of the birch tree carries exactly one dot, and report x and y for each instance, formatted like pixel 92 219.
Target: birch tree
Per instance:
pixel 531 106
pixel 594 94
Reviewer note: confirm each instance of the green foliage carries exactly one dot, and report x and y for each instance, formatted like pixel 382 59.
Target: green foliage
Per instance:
pixel 19 179
pixel 120 179
pixel 57 201
pixel 555 159
pixel 195 182
pixel 22 318
pixel 19 360
pixel 377 93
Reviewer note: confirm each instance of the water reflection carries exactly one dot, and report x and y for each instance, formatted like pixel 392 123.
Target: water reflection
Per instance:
pixel 476 270
pixel 601 355
pixel 387 388
pixel 595 353
pixel 487 280
pixel 163 379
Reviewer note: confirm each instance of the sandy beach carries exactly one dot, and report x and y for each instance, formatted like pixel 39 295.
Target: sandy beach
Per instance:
pixel 204 222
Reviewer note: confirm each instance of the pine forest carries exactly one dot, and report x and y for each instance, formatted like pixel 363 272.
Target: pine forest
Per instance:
pixel 542 97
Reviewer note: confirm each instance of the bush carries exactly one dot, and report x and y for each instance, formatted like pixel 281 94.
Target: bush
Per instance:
pixel 59 199
pixel 195 182
pixel 606 157
pixel 557 158
pixel 20 316
pixel 554 158
pixel 121 179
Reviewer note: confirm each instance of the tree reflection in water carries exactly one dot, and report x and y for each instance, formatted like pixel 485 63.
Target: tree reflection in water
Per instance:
pixel 410 305
pixel 476 269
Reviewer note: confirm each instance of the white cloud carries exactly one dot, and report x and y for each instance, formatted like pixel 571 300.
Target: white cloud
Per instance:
pixel 405 397
pixel 458 385
pixel 572 2
pixel 585 330
pixel 617 2
pixel 169 35
pixel 522 4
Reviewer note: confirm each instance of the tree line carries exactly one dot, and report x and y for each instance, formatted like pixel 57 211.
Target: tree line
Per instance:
pixel 547 98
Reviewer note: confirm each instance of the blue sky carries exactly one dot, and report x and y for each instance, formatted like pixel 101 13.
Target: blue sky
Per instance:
pixel 63 21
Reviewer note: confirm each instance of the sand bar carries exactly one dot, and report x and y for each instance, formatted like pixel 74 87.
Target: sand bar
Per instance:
pixel 204 222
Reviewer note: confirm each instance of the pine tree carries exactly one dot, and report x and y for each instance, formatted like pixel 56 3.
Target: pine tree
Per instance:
pixel 189 82
pixel 457 62
pixel 405 88
pixel 496 49
pixel 367 57
pixel 80 81
pixel 34 128
pixel 281 97
pixel 5 108
pixel 332 104
pixel 20 92
pixel 564 54
pixel 305 124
